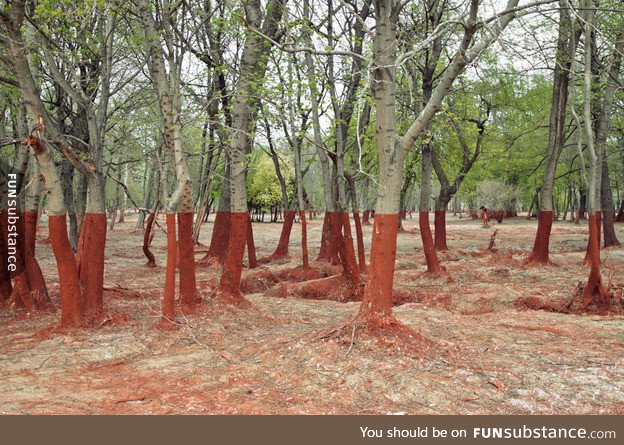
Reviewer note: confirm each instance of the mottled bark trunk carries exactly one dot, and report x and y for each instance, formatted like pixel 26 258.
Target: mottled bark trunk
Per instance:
pixel 377 300
pixel 556 135
pixel 253 66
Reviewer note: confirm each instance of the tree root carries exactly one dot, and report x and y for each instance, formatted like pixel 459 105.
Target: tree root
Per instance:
pixel 386 331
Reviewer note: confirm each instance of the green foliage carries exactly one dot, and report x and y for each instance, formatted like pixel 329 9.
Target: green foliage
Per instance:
pixel 263 187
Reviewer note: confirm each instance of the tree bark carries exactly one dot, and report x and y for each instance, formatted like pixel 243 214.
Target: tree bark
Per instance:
pixel 556 135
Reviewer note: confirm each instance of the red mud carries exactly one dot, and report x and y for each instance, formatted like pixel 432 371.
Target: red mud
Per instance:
pixel 220 360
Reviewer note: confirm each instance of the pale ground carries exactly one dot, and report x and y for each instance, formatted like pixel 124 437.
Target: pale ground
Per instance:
pixel 491 357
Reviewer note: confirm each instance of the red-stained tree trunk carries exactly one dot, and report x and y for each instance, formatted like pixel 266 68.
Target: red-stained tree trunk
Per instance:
pixel 377 302
pixel 431 256
pixel 6 288
pixel 439 224
pixel 329 249
pixel 21 296
pixel 71 310
pixel 344 240
pixel 539 254
pixel 168 308
pixel 71 299
pixel 229 284
pixel 594 286
pixel 91 270
pixel 147 235
pixel 598 222
pixel 245 107
pixel 167 84
pixel 221 227
pixel 281 251
pixel 251 246
pixel 365 218
pixel 38 288
pixel 304 240
pixel 30 217
pixel 556 136
pixel 186 260
pixel 433 263
pixel 360 242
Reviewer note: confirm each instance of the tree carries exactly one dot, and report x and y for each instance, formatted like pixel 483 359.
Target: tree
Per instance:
pixel 167 85
pixel 556 134
pixel 253 65
pixel 14 50
pixel 377 301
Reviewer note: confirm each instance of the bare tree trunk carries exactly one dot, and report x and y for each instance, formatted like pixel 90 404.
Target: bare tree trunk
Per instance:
pixel 117 198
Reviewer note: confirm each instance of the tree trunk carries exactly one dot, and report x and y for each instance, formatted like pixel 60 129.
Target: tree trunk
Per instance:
pixel 251 246
pixel 244 114
pixel 377 300
pixel 594 289
pixel 556 136
pixel 38 288
pixel 360 242
pixel 181 201
pixel 221 227
pixel 147 238
pixel 433 263
pixel 608 209
pixel 440 218
pixel 281 251
pixel 71 299
pixel 71 313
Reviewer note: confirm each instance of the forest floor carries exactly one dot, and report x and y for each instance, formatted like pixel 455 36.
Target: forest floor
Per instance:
pixel 491 355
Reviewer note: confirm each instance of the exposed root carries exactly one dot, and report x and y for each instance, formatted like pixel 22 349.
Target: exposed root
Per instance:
pixel 386 331
pixel 534 261
pixel 492 242
pixel 437 274
pixel 429 299
pixel 603 301
pixel 612 302
pixel 211 261
pixel 300 274
pixel 166 325
pixel 231 298
pixel 274 257
pixel 334 288
pixel 196 308
pixel 537 304
pixel 258 280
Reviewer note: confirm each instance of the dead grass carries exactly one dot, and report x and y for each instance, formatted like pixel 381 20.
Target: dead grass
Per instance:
pixel 497 357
